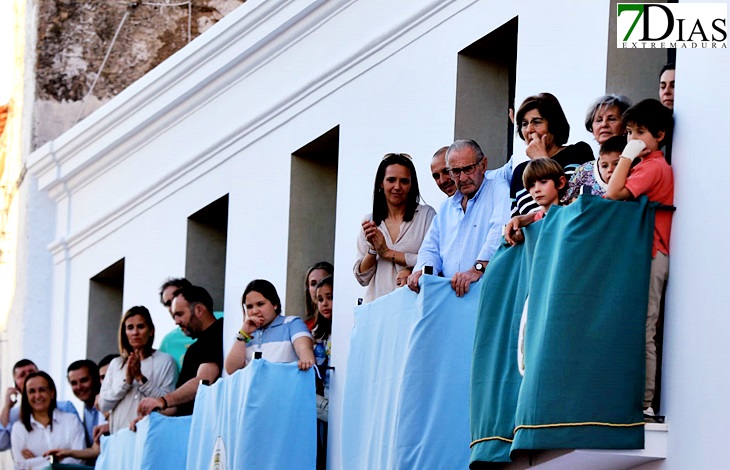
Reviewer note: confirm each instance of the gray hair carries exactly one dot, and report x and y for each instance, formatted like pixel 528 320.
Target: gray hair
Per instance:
pixel 604 102
pixel 464 144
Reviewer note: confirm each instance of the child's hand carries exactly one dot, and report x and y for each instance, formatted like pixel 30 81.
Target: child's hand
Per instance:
pixel 633 149
pixel 305 364
pixel 512 232
pixel 251 324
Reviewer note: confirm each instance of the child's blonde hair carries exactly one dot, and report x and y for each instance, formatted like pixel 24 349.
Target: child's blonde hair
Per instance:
pixel 544 169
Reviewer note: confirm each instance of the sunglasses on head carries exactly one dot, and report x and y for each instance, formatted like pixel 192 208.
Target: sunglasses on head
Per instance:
pixel 390 155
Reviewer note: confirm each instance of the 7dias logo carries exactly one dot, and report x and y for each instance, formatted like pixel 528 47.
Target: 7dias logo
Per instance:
pixel 671 26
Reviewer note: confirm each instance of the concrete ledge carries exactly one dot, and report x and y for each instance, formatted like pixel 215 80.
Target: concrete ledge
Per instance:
pixel 655 448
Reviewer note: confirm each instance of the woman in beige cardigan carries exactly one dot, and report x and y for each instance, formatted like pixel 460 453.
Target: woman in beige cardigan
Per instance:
pixel 392 234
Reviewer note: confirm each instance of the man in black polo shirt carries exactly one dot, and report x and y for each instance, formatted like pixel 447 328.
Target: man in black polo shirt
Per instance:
pixel 192 310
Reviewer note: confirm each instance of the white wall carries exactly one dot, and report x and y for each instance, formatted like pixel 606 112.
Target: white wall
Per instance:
pixel 696 347
pixel 224 115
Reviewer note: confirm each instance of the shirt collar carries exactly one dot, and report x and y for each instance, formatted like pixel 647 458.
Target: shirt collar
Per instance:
pixel 276 321
pixel 655 154
pixel 54 418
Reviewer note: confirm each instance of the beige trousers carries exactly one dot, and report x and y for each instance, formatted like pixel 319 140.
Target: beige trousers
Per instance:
pixel 659 275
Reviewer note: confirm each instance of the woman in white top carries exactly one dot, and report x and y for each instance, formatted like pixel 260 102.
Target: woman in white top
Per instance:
pixel 42 427
pixel 138 373
pixel 393 233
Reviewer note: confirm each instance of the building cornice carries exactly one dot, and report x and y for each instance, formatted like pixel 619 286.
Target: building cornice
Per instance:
pixel 235 48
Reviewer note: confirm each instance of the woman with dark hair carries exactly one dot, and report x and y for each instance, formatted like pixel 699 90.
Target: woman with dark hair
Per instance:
pixel 42 427
pixel 392 234
pixel 139 371
pixel 265 330
pixel 315 274
pixel 542 124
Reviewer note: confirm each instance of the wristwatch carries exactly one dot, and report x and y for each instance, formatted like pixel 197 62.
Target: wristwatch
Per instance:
pixel 479 266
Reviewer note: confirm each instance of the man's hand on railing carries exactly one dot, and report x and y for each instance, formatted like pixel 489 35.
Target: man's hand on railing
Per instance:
pixel 133 423
pixel 100 430
pixel 413 281
pixel 150 404
pixel 461 281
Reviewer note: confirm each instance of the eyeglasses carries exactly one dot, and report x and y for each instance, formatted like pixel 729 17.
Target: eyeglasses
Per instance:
pixel 390 155
pixel 535 123
pixel 168 303
pixel 467 170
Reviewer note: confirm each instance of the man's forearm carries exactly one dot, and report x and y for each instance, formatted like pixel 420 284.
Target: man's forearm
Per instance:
pixel 5 416
pixel 184 394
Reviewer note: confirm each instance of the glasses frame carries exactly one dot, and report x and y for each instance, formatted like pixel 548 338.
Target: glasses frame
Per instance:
pixel 467 170
pixel 536 122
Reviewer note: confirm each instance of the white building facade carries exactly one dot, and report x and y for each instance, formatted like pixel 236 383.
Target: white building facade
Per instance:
pixel 251 154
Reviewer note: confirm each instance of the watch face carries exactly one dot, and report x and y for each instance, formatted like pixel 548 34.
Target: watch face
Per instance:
pixel 479 267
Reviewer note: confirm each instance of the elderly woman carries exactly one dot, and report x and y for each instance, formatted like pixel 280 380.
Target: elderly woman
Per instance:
pixel 42 427
pixel 603 120
pixel 392 234
pixel 542 124
pixel 138 373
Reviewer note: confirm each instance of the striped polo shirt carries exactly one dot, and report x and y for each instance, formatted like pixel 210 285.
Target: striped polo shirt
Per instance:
pixel 275 341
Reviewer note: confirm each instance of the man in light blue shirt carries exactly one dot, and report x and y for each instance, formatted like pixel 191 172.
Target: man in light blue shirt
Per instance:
pixel 467 230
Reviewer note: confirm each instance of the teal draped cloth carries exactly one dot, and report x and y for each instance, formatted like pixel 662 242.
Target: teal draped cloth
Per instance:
pixel 495 376
pixel 585 272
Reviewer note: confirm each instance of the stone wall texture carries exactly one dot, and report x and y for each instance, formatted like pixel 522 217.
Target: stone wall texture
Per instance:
pixel 75 35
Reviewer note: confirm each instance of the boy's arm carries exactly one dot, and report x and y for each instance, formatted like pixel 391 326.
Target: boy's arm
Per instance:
pixel 617 185
pixel 512 233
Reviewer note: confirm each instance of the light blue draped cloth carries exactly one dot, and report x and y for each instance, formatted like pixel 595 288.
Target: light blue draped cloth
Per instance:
pixel 263 417
pixel 159 443
pixel 165 444
pixel 117 451
pixel 406 398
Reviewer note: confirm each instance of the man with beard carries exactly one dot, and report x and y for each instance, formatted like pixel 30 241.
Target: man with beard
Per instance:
pixel 192 311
